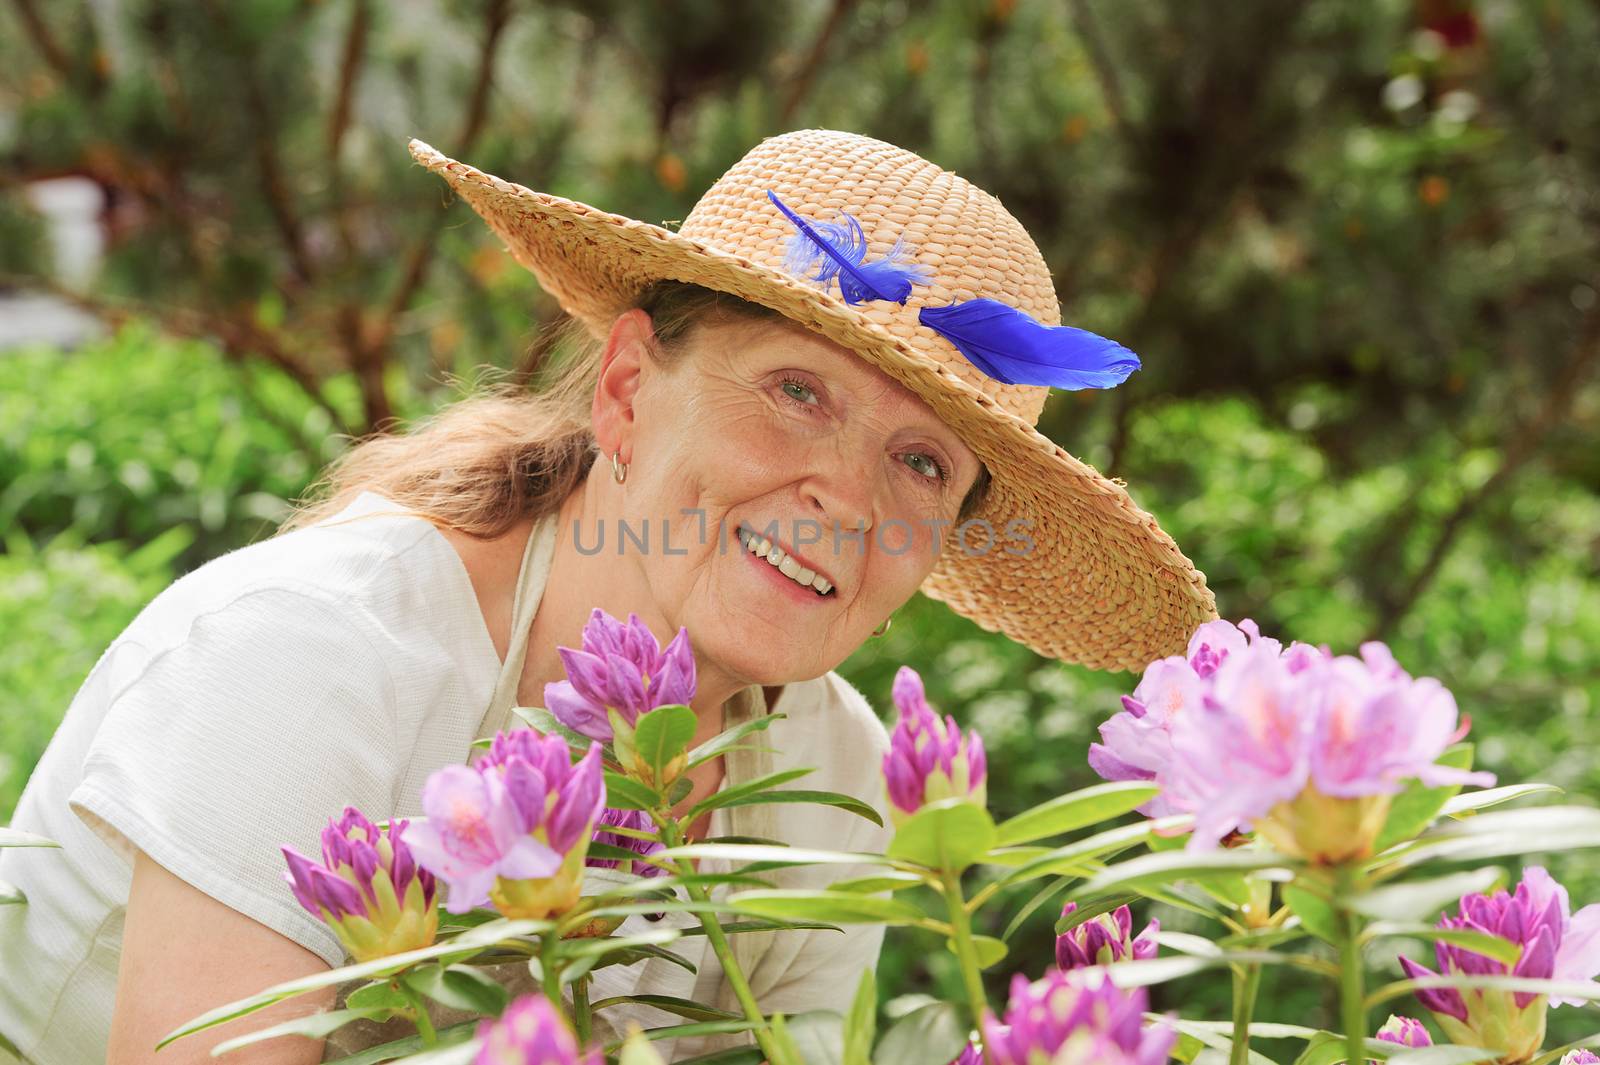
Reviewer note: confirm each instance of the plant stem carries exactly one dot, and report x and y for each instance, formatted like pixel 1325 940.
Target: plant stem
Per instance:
pixel 1352 1007
pixel 580 1008
pixel 419 1015
pixel 966 953
pixel 549 975
pixel 1246 983
pixel 718 939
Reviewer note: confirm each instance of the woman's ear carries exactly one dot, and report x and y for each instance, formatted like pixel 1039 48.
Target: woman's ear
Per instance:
pixel 621 362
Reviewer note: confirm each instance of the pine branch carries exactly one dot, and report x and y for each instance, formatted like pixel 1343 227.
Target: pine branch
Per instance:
pixel 1523 446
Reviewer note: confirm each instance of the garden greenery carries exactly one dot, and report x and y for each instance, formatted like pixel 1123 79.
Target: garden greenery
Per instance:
pixel 1289 796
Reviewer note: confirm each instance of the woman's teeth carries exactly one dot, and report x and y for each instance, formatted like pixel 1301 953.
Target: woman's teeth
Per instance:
pixel 761 547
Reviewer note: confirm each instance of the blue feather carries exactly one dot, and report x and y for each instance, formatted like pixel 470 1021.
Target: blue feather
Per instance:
pixel 841 250
pixel 1017 349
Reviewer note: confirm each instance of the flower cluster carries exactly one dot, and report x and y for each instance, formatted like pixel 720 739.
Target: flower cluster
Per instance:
pixel 1104 939
pixel 929 759
pixel 530 1032
pixel 1307 747
pixel 514 828
pixel 1076 1016
pixel 619 674
pixel 369 888
pixel 637 821
pixel 1556 944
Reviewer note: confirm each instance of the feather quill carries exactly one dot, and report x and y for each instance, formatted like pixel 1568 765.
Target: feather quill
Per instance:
pixel 839 249
pixel 1014 347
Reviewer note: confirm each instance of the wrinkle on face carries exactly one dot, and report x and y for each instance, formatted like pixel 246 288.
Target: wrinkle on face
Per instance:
pixel 712 432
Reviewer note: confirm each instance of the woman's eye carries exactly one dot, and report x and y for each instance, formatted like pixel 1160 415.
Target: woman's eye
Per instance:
pixel 798 390
pixel 926 465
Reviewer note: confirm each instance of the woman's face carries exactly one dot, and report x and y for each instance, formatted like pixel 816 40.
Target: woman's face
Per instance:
pixel 768 428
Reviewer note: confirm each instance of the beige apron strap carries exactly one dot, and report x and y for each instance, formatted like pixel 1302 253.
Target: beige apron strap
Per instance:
pixel 531 579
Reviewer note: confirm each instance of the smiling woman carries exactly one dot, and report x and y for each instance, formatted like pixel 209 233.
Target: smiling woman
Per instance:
pixel 780 468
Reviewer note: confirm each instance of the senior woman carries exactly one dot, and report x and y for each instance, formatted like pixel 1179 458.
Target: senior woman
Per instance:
pixel 814 399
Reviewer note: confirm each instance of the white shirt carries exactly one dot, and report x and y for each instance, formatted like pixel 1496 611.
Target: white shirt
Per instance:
pixel 259 695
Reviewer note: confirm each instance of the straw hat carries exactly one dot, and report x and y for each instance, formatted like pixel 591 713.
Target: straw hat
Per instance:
pixel 1102 584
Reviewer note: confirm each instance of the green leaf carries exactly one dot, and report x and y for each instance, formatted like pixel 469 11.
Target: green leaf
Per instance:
pixel 1326 1048
pixel 1584 990
pixel 1087 806
pixel 784 1050
pixel 580 948
pixel 1504 833
pixel 888 880
pixel 1315 913
pixel 682 1007
pixel 1069 859
pixel 1040 898
pixel 838 907
pixel 467 944
pixel 1415 808
pixel 1129 974
pixel 641 952
pixel 544 722
pixel 15 837
pixel 1473 801
pixel 728 796
pixel 990 951
pixel 11 895
pixel 1170 867
pixel 455 1035
pixel 315 1026
pixel 458 986
pixel 662 734
pixel 719 743
pixel 625 793
pixel 860 1024
pixel 1419 899
pixel 1481 942
pixel 772 856
pixel 935 1032
pixel 1443 1055
pixel 680 790
pixel 679 1031
pixel 949 835
pixel 380 994
pixel 1088 912
pixel 636 1050
pixel 820 798
pixel 1210 1037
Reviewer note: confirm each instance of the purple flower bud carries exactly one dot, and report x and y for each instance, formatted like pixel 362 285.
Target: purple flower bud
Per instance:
pixel 1580 1057
pixel 1407 1031
pixel 928 757
pixel 1104 939
pixel 970 1055
pixel 1555 945
pixel 515 828
pixel 530 1032
pixel 634 819
pixel 368 888
pixel 620 670
pixel 1076 1016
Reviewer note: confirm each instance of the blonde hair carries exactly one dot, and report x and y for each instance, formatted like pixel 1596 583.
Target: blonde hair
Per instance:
pixel 510 452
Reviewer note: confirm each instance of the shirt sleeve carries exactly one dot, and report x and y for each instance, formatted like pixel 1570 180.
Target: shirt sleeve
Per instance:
pixel 274 713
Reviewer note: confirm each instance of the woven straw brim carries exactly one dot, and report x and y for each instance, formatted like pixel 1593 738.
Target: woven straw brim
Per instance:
pixel 1102 584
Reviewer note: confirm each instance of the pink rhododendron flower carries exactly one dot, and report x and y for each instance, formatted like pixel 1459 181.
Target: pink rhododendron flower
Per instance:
pixel 1556 944
pixel 928 757
pixel 530 1032
pixel 515 828
pixel 1580 1057
pixel 619 673
pixel 1073 1017
pixel 1104 939
pixel 1306 747
pixel 369 888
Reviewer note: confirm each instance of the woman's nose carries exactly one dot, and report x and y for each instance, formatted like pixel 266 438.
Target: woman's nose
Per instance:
pixel 841 494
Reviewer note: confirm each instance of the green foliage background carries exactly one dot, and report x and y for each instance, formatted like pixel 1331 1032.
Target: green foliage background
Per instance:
pixel 1359 261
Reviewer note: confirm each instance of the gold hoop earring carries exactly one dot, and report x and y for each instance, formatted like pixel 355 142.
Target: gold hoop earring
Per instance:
pixel 881 629
pixel 619 470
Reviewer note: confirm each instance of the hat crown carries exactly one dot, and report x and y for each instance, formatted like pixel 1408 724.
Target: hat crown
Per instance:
pixel 969 242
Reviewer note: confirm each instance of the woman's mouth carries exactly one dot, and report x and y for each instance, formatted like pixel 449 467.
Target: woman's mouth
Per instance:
pixel 782 563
